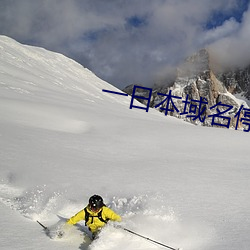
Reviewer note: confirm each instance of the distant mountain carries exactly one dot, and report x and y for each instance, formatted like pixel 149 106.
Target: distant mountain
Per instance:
pixel 202 92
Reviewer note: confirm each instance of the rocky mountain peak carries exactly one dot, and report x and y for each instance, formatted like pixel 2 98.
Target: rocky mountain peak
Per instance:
pixel 195 81
pixel 196 76
pixel 197 64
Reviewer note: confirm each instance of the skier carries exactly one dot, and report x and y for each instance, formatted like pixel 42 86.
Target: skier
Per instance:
pixel 95 214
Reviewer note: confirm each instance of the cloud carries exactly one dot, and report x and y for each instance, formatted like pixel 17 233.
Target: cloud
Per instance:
pixel 121 41
pixel 233 49
pixel 228 28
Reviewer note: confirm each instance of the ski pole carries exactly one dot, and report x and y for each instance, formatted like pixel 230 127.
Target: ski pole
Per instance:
pixel 45 228
pixel 146 238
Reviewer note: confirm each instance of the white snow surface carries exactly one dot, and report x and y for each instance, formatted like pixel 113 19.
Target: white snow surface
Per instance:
pixel 62 140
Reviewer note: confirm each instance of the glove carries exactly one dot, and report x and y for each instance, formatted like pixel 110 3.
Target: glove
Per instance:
pixel 60 234
pixel 62 229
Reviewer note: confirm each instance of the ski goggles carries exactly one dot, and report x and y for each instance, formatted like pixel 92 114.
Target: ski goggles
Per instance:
pixel 94 208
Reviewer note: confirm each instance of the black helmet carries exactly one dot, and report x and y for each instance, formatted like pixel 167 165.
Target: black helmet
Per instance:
pixel 95 202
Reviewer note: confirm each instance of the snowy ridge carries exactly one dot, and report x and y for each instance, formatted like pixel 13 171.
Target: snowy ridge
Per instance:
pixel 37 72
pixel 62 139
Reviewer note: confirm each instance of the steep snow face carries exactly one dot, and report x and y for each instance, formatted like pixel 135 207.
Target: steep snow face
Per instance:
pixel 62 139
pixel 35 75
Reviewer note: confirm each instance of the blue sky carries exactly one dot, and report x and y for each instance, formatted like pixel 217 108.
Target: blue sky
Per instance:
pixel 218 17
pixel 131 41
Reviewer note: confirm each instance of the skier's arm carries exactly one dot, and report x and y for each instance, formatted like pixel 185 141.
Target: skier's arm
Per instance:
pixel 110 214
pixel 77 217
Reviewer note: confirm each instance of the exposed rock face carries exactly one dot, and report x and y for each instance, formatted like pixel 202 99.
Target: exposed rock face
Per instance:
pixel 200 93
pixel 237 81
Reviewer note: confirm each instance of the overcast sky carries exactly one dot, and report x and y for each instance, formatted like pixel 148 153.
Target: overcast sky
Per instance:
pixel 131 41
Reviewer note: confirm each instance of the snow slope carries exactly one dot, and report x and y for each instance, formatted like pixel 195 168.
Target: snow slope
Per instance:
pixel 62 139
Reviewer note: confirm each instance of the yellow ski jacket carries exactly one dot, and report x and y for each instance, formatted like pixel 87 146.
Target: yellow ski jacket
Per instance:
pixel 94 223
